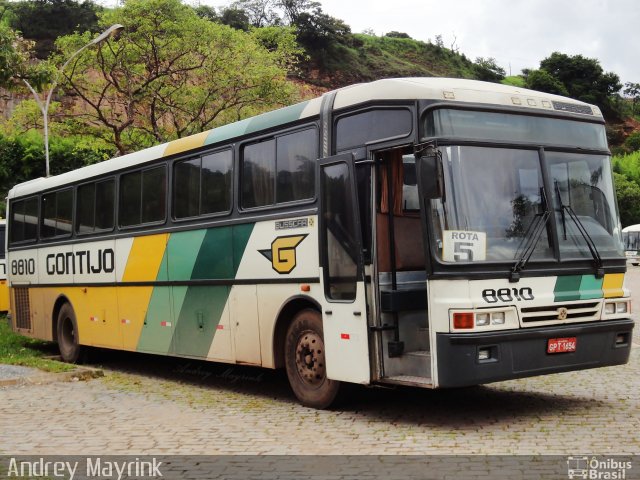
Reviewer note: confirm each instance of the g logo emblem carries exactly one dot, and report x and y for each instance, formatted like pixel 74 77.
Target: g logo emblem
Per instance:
pixel 562 313
pixel 283 253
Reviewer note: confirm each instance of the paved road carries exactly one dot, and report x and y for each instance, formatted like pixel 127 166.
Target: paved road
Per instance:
pixel 156 405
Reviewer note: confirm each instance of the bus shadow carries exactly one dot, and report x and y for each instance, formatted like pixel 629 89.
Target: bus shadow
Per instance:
pixel 460 408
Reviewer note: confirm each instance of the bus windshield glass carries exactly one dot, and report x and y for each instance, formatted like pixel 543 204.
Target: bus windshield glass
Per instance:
pixel 496 200
pixel 505 127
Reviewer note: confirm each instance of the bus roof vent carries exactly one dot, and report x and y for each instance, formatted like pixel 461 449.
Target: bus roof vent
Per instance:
pixel 573 108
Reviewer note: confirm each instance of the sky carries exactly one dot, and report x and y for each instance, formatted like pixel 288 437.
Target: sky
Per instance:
pixel 517 33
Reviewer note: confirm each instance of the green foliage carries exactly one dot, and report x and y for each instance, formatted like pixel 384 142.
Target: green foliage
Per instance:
pixel 515 81
pixel 43 21
pixel 632 143
pixel 171 74
pixel 207 12
pixel 18 350
pixel 23 157
pixel 488 70
pixel 632 91
pixel 543 81
pixel 235 18
pixel 628 194
pixel 366 58
pixel 577 77
pixel 394 34
pixel 260 13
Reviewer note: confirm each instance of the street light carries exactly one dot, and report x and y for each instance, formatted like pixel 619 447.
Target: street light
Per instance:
pixel 44 107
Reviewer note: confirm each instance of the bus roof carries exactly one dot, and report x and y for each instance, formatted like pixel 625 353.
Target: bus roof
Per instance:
pixel 418 88
pixel 631 228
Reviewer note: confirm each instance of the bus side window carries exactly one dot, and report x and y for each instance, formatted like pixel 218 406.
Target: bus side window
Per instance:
pixel 143 197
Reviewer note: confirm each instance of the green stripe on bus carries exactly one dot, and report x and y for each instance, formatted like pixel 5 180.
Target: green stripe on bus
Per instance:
pixel 254 124
pixel 198 320
pixel 277 117
pixel 220 134
pixel 213 261
pixel 193 313
pixel 183 251
pixel 590 287
pixel 157 331
pixel 567 288
pixel 165 304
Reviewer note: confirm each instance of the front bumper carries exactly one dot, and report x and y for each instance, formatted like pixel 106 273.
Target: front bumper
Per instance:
pixel 523 353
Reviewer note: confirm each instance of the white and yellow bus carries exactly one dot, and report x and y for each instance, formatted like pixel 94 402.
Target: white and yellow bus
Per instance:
pixel 422 231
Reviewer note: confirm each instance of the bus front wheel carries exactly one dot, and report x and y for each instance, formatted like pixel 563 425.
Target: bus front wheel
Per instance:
pixel 67 333
pixel 305 361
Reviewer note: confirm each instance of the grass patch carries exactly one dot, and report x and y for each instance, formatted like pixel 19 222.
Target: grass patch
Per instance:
pixel 18 350
pixel 515 81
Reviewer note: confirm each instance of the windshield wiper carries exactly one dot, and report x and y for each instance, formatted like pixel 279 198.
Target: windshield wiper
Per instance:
pixel 583 231
pixel 530 239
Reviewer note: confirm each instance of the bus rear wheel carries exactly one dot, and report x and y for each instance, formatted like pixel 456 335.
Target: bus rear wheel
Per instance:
pixel 305 361
pixel 67 334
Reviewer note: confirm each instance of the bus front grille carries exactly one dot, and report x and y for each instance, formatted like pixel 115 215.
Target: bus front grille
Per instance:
pixel 23 312
pixel 572 312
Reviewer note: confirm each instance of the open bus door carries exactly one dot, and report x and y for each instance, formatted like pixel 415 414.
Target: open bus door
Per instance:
pixel 344 307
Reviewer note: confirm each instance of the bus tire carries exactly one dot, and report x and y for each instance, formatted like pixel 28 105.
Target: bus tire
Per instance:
pixel 305 361
pixel 67 335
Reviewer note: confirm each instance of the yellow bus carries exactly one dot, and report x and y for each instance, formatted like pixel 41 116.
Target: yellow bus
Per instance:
pixel 428 232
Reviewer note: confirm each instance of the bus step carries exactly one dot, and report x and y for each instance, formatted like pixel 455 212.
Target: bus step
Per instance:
pixel 414 363
pixel 409 380
pixel 418 353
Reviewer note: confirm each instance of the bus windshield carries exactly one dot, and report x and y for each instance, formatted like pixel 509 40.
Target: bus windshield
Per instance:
pixel 494 197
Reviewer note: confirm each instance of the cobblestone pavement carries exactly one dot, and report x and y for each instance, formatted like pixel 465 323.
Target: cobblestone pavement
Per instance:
pixel 157 405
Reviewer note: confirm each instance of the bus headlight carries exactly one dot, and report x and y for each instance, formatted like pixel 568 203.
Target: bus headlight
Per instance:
pixel 497 318
pixel 616 308
pixel 482 319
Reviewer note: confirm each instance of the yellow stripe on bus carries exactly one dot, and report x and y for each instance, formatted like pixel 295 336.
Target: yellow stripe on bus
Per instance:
pixel 145 258
pixel 612 285
pixel 187 143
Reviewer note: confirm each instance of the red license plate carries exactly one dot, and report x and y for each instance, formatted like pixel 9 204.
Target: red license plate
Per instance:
pixel 562 345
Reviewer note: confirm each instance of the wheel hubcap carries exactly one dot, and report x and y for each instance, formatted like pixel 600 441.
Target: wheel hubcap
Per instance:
pixel 310 358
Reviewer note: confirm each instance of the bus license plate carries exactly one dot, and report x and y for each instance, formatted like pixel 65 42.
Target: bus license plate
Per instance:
pixel 562 345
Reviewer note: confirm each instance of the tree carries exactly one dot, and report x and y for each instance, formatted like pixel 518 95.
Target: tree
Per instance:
pixel 487 69
pixel 173 74
pixel 628 194
pixel 632 142
pixel 394 34
pixel 235 18
pixel 16 61
pixel 294 8
pixel 260 13
pixel 45 20
pixel 318 32
pixel 12 57
pixel 632 90
pixel 583 78
pixel 207 12
pixel 543 81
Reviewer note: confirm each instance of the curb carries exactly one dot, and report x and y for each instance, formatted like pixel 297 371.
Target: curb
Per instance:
pixel 80 374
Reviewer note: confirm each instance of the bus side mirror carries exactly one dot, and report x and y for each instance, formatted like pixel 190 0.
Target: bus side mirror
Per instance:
pixel 430 176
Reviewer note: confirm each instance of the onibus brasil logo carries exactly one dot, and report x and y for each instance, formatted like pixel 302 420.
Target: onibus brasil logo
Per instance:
pixel 282 253
pixel 597 469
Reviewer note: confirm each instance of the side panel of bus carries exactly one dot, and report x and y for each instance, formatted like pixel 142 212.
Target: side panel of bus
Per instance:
pixel 208 293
